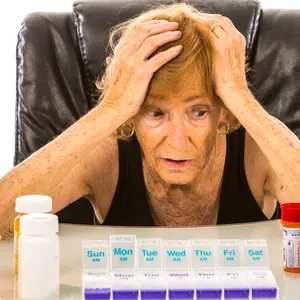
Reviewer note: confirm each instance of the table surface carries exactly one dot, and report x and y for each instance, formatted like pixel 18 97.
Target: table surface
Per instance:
pixel 71 237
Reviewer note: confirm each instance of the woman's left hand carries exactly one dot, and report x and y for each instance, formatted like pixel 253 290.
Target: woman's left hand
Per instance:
pixel 229 55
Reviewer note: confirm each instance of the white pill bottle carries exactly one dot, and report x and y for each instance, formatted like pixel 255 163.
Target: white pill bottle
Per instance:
pixel 38 257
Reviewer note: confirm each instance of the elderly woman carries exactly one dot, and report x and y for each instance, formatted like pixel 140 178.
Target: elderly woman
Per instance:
pixel 177 138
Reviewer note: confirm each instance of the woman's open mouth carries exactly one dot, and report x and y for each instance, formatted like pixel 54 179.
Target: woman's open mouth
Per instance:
pixel 177 163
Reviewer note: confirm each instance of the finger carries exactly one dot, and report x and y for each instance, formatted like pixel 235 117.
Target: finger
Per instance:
pixel 129 35
pixel 228 20
pixel 209 34
pixel 152 30
pixel 212 27
pixel 153 42
pixel 134 31
pixel 231 30
pixel 162 58
pixel 218 30
pixel 210 19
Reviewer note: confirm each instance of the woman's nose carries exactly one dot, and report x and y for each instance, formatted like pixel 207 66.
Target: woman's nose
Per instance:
pixel 177 134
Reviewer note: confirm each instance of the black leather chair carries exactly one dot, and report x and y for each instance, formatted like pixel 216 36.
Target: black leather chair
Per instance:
pixel 59 56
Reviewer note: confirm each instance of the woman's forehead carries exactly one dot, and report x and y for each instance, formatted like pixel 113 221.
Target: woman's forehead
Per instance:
pixel 184 95
pixel 183 88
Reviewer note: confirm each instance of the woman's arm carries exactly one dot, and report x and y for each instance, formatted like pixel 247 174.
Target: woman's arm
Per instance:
pixel 60 168
pixel 280 146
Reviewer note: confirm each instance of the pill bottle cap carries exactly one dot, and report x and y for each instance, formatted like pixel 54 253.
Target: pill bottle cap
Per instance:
pixel 39 224
pixel 290 212
pixel 33 204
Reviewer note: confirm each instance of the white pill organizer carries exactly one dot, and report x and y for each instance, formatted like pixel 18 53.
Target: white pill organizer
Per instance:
pixel 125 267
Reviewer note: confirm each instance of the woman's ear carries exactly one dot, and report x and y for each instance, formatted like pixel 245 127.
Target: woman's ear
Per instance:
pixel 223 114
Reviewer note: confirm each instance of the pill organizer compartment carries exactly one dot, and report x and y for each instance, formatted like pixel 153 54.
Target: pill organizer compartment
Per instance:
pixel 123 266
pixel 153 285
pixel 207 285
pixel 180 280
pixel 125 285
pixel 256 261
pixel 96 280
pixel 233 279
pixel 96 285
pixel 204 264
pixel 122 253
pixel 235 285
pixel 152 281
pixel 149 255
pixel 263 285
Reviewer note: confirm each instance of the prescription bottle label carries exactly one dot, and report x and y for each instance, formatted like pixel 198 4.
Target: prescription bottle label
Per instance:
pixel 291 247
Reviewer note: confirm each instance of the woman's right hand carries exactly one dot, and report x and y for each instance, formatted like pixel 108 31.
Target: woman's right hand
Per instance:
pixel 130 70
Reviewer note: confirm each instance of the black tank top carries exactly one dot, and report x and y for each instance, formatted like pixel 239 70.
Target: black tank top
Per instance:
pixel 130 206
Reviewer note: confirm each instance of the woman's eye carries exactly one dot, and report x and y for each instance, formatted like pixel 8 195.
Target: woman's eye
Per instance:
pixel 155 114
pixel 199 113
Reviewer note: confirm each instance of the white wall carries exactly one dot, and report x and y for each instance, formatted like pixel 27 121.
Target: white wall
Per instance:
pixel 12 14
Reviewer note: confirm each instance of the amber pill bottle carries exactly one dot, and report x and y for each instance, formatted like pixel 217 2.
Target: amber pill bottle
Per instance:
pixel 290 220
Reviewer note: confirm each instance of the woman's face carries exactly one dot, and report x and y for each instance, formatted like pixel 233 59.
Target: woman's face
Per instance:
pixel 177 131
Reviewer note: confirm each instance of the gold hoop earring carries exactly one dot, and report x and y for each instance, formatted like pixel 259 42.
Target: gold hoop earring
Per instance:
pixel 227 128
pixel 124 134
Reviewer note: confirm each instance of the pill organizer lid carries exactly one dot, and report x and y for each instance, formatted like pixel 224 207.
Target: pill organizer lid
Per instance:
pixel 229 253
pixel 255 254
pixel 174 248
pixel 234 279
pixel 152 280
pixel 120 261
pixel 207 279
pixel 261 278
pixel 33 204
pixel 96 279
pixel 39 224
pixel 124 281
pixel 180 280
pixel 98 260
pixel 149 262
pixel 203 254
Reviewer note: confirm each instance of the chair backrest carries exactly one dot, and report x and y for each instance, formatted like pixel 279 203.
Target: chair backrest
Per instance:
pixel 59 56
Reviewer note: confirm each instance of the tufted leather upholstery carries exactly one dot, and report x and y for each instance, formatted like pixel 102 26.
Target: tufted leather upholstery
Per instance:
pixel 59 55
